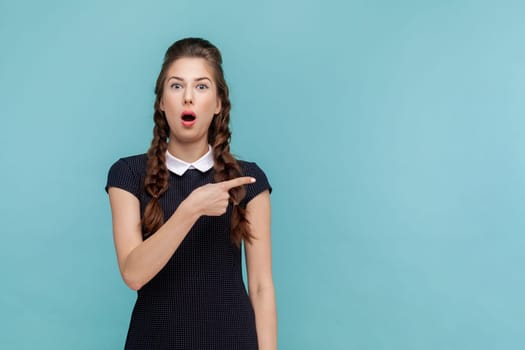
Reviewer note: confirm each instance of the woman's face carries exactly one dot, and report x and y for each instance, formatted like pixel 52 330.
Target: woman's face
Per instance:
pixel 190 99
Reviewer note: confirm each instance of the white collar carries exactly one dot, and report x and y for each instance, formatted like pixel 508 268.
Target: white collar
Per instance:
pixel 179 167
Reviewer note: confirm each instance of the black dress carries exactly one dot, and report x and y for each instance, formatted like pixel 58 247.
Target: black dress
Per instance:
pixel 198 300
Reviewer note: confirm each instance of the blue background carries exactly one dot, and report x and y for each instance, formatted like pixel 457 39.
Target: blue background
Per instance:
pixel 393 133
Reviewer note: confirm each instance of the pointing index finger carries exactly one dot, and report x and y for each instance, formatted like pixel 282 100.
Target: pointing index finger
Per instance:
pixel 239 181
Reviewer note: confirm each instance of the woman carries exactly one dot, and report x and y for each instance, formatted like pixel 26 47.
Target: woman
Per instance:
pixel 180 213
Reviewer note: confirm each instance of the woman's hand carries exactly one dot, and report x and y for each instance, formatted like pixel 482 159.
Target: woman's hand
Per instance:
pixel 212 199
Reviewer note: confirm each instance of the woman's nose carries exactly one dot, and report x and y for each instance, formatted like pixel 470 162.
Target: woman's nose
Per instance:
pixel 188 99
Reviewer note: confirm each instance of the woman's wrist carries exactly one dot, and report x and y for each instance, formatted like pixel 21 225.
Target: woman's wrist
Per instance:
pixel 189 209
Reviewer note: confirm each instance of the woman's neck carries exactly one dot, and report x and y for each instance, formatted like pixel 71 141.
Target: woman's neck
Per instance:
pixel 188 152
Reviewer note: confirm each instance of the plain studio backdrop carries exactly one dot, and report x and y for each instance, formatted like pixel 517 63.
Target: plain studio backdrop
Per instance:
pixel 392 132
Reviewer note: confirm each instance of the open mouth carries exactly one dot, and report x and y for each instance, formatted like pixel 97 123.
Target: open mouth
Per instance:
pixel 188 118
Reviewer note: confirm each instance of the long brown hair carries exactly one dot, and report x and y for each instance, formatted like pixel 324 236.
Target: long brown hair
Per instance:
pixel 225 166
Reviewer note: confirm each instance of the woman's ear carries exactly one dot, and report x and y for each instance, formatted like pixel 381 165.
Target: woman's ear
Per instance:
pixel 161 104
pixel 219 106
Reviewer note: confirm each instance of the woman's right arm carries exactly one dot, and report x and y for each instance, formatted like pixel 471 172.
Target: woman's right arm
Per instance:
pixel 139 261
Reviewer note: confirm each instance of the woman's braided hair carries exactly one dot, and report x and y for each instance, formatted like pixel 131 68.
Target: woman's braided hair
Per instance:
pixel 226 166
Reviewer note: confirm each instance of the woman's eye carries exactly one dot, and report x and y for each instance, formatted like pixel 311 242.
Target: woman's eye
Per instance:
pixel 176 86
pixel 202 86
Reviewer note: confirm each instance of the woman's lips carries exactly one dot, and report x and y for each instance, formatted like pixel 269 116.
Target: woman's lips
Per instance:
pixel 188 118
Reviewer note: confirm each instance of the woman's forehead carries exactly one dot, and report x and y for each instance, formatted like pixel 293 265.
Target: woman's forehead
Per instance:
pixel 190 68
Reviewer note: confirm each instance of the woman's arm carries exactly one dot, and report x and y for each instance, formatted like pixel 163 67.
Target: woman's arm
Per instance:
pixel 259 268
pixel 139 261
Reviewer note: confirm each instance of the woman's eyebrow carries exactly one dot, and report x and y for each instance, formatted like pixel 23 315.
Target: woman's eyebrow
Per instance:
pixel 182 79
pixel 203 78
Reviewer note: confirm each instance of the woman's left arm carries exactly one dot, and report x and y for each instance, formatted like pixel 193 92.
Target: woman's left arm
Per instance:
pixel 259 268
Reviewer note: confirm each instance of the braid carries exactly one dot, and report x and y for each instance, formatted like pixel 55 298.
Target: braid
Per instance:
pixel 226 167
pixel 157 175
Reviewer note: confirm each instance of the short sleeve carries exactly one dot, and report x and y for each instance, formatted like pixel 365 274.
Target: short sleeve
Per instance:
pixel 122 176
pixel 260 185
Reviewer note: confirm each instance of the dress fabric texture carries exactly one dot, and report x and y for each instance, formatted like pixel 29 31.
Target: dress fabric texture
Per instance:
pixel 198 300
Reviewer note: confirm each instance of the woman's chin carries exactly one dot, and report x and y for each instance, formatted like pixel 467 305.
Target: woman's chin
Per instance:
pixel 189 136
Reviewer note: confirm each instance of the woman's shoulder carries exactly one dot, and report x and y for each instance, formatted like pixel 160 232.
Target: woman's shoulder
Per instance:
pixel 127 172
pixel 250 168
pixel 135 158
pixel 136 163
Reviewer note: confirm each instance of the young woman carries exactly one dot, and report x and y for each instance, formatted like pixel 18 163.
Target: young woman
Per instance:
pixel 180 213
